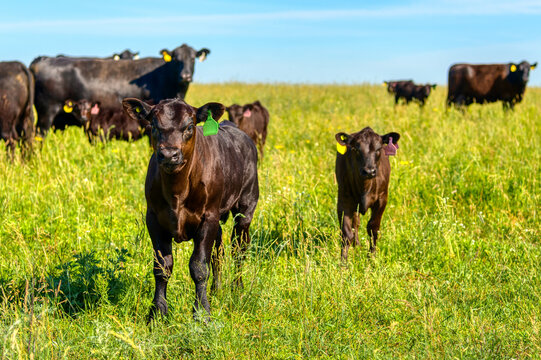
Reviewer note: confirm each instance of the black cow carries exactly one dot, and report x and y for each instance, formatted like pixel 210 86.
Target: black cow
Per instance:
pixel 408 90
pixel 391 85
pixel 16 102
pixel 125 55
pixel 488 83
pixel 109 81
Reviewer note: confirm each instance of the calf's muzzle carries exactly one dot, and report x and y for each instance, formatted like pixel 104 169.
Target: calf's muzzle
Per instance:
pixel 169 156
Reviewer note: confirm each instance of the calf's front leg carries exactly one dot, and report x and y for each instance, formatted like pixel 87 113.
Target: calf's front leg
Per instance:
pixel 373 224
pixel 200 260
pixel 348 237
pixel 163 263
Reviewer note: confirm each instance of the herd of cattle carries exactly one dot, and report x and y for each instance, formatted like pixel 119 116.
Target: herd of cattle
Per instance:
pixel 88 92
pixel 470 84
pixel 195 179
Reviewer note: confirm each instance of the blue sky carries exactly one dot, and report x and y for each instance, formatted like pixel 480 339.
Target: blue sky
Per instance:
pixel 285 41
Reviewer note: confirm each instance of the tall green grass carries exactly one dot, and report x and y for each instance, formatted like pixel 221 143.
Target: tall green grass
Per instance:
pixel 457 273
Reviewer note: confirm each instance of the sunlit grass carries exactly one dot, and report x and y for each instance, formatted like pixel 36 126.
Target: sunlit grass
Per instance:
pixel 457 274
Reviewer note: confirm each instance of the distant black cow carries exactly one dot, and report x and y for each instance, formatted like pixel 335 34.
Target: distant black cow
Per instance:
pixel 253 119
pixel 109 81
pixel 125 55
pixel 16 101
pixel 391 85
pixel 362 172
pixel 488 83
pixel 106 123
pixel 407 90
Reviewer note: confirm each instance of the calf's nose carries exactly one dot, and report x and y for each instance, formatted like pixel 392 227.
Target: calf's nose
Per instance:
pixel 169 156
pixel 371 172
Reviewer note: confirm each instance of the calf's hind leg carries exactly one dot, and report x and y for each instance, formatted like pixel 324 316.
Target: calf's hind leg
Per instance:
pixel 216 262
pixel 240 239
pixel 199 262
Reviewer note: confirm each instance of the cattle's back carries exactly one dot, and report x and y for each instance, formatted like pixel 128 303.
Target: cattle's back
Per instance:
pixel 236 156
pixel 107 81
pixel 474 80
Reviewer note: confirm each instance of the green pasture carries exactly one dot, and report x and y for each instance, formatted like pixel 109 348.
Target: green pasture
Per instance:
pixel 457 273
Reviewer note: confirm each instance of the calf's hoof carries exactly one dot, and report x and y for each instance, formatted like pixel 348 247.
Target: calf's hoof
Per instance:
pixel 200 314
pixel 156 310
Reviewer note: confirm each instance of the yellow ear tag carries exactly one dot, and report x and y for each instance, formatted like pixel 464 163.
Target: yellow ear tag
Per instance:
pixel 138 109
pixel 116 57
pixel 67 108
pixel 533 67
pixel 513 68
pixel 341 148
pixel 166 57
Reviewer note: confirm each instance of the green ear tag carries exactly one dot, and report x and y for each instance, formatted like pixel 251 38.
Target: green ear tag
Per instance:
pixel 211 126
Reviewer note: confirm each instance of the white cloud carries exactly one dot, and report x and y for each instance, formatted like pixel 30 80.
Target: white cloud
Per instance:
pixel 444 8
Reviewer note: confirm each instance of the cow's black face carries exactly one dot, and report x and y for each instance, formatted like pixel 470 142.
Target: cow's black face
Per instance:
pixel 78 109
pixel 366 148
pixel 128 55
pixel 184 56
pixel 426 90
pixel 519 73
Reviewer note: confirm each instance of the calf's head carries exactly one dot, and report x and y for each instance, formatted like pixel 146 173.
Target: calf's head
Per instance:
pixel 184 56
pixel 235 113
pixel 365 149
pixel 425 90
pixel 83 109
pixel 172 127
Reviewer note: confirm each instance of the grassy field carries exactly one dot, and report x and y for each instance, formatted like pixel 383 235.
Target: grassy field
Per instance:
pixel 457 273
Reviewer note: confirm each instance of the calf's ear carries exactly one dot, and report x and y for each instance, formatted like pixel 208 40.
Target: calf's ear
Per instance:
pixel 434 86
pixel 385 138
pixel 136 109
pixel 342 138
pixel 216 110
